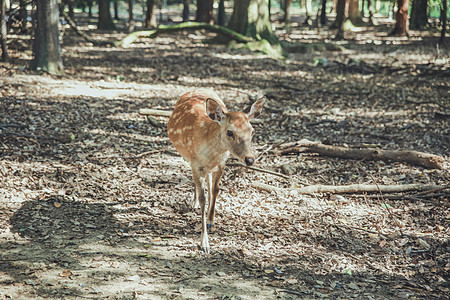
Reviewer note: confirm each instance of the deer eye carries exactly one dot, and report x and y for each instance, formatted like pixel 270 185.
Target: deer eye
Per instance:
pixel 230 133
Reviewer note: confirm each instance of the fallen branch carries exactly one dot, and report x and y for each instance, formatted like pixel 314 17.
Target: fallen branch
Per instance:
pixel 406 156
pixel 132 37
pixel 85 36
pixel 155 112
pixel 352 188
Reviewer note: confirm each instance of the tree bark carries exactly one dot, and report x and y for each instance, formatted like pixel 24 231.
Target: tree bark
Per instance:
pixel 205 11
pixel 116 9
pixel 251 18
pixel 105 21
pixel 3 30
pixel 185 10
pixel 405 156
pixel 443 20
pixel 23 15
pixel 221 13
pixel 323 13
pixel 46 44
pixel 370 9
pixel 130 16
pixel 354 14
pixel 419 17
pixel 352 188
pixel 401 19
pixel 341 16
pixel 309 12
pixel 150 18
pixel 287 7
pixel 71 7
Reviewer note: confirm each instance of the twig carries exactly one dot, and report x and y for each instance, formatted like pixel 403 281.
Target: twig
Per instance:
pixel 258 169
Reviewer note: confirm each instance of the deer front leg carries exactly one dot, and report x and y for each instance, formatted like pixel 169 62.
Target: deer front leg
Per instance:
pixel 200 187
pixel 214 191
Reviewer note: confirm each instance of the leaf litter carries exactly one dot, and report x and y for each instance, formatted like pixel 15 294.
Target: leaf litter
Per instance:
pixel 85 215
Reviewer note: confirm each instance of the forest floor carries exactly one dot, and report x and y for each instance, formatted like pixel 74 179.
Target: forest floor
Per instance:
pixel 94 203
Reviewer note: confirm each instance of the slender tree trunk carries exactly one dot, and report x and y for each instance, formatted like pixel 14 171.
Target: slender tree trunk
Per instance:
pixel 370 9
pixel 323 13
pixel 105 21
pixel 221 13
pixel 90 4
pixel 419 17
pixel 341 16
pixel 71 6
pixel 46 45
pixel 309 12
pixel 251 18
pixel 354 14
pixel 116 9
pixel 287 7
pixel 205 11
pixel 3 31
pixel 443 20
pixel 401 19
pixel 185 10
pixel 130 16
pixel 150 19
pixel 23 15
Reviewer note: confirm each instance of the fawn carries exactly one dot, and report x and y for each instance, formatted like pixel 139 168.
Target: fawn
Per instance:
pixel 204 132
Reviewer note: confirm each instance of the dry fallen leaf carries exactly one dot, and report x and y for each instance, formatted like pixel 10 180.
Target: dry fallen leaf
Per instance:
pixel 65 273
pixel 157 239
pixel 246 252
pixel 57 204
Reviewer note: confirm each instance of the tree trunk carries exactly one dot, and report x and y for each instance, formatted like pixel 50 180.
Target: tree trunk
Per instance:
pixel 46 46
pixel 185 10
pixel 23 15
pixel 287 7
pixel 309 12
pixel 90 4
pixel 354 14
pixel 3 31
pixel 116 9
pixel 401 19
pixel 205 11
pixel 370 8
pixel 323 13
pixel 419 16
pixel 443 20
pixel 130 16
pixel 150 19
pixel 251 18
pixel 105 21
pixel 71 6
pixel 221 13
pixel 341 16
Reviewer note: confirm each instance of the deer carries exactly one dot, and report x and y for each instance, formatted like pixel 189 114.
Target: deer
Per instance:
pixel 205 133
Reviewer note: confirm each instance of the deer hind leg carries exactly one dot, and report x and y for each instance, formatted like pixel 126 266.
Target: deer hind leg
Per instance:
pixel 200 187
pixel 214 191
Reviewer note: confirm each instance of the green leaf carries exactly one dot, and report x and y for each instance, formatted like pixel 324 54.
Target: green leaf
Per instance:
pixel 385 205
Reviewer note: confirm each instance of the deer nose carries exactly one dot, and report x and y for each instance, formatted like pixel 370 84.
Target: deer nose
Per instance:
pixel 249 161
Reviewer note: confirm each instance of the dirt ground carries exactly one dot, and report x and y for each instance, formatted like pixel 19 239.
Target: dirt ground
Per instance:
pixel 94 202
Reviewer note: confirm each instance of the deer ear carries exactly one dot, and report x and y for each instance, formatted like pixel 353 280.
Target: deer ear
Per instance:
pixel 256 108
pixel 214 110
